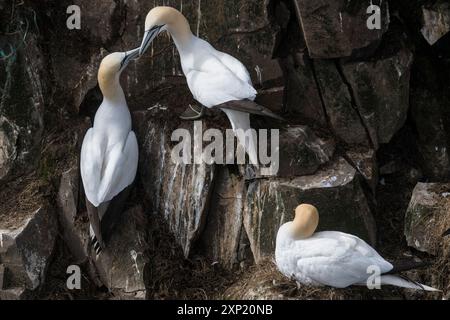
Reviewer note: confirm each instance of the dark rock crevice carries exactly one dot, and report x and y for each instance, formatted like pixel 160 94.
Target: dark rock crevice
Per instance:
pixel 354 103
pixel 322 100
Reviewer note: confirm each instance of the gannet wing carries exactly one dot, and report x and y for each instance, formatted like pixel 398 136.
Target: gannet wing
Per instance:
pixel 120 168
pixel 105 175
pixel 91 162
pixel 228 61
pixel 212 83
pixel 234 65
pixel 249 107
pixel 336 259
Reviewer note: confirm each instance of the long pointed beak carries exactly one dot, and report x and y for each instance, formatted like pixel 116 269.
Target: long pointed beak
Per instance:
pixel 130 56
pixel 149 36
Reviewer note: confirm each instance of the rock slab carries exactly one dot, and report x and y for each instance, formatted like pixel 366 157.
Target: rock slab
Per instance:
pixel 25 252
pixel 335 29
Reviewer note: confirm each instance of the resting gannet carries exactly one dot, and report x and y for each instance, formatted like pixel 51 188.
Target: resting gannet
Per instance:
pixel 214 78
pixel 333 259
pixel 109 155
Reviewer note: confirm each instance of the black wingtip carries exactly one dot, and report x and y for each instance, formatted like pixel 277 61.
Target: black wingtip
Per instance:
pixel 250 107
pixel 275 116
pixel 280 118
pixel 408 265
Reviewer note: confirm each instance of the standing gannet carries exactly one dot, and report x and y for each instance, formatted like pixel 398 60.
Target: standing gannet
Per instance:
pixel 333 259
pixel 214 78
pixel 109 155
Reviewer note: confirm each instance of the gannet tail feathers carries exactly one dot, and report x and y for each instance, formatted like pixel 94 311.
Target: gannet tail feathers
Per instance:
pixel 95 215
pixel 113 214
pixel 104 218
pixel 96 245
pixel 405 283
pixel 240 121
pixel 249 106
pixel 94 241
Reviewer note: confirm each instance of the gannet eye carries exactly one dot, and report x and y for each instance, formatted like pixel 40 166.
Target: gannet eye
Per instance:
pixel 157 27
pixel 122 63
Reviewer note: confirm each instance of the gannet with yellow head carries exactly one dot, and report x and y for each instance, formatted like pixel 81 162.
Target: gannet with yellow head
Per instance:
pixel 333 259
pixel 109 154
pixel 214 78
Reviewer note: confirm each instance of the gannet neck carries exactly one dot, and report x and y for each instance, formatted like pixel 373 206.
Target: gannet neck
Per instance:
pixel 111 89
pixel 180 31
pixel 109 73
pixel 305 223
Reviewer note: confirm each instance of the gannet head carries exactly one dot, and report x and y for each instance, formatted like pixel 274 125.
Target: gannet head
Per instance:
pixel 164 19
pixel 112 66
pixel 305 222
pixel 114 63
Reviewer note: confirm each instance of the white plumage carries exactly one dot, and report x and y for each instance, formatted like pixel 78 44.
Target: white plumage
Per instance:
pixel 109 154
pixel 332 259
pixel 213 77
pixel 327 258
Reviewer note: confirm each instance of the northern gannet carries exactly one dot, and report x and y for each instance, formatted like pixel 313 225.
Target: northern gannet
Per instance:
pixel 333 259
pixel 109 154
pixel 214 78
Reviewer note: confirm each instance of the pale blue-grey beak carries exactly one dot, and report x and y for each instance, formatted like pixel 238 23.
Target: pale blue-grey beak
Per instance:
pixel 129 56
pixel 149 36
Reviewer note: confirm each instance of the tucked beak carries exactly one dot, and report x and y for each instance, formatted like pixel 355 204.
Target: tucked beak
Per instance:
pixel 149 36
pixel 130 56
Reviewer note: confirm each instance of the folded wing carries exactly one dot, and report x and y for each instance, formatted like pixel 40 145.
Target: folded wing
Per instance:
pixel 213 83
pixel 235 66
pixel 106 171
pixel 337 259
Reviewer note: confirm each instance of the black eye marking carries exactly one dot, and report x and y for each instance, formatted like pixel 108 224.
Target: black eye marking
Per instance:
pixel 156 27
pixel 122 63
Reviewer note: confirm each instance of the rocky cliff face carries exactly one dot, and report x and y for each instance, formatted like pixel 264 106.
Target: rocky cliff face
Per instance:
pixel 368 119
